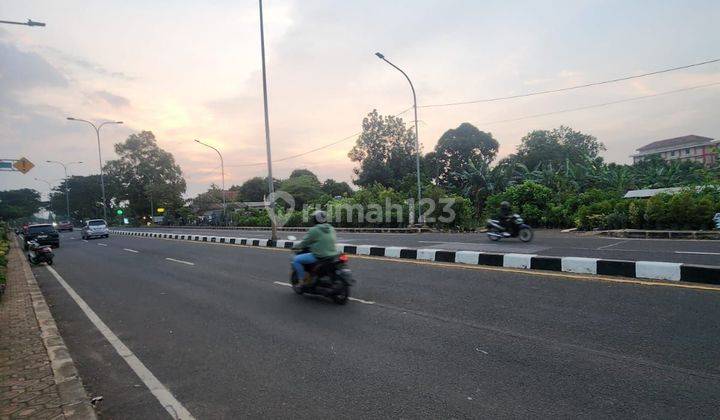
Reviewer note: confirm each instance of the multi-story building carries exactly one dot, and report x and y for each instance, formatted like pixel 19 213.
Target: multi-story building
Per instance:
pixel 686 148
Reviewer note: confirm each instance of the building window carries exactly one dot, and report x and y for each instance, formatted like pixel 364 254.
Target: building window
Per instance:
pixel 687 151
pixel 672 153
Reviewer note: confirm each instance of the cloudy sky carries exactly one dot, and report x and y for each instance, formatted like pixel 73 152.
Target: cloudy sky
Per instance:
pixel 188 70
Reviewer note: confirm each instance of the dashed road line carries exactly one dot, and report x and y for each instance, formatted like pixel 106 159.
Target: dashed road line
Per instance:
pixel 615 243
pixel 163 395
pixel 130 250
pixel 697 253
pixel 102 244
pixel 179 261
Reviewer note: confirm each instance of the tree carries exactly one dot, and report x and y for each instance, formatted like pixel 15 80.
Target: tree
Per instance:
pixel 385 151
pixel 254 189
pixel 210 199
pixel 301 172
pixel 556 147
pixel 303 188
pixel 85 197
pixel 334 188
pixel 143 171
pixel 456 148
pixel 17 204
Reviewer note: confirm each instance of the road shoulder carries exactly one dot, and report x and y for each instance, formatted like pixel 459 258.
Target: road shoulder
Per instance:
pixel 38 377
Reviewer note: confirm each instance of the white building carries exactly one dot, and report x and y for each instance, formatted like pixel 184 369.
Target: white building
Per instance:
pixel 686 148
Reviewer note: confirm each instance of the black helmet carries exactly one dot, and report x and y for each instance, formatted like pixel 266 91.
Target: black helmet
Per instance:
pixel 505 205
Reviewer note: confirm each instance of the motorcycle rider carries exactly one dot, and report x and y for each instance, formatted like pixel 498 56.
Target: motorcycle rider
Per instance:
pixel 505 218
pixel 320 240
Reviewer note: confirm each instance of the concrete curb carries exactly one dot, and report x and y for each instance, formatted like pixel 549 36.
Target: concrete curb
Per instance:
pixel 654 270
pixel 300 229
pixel 73 398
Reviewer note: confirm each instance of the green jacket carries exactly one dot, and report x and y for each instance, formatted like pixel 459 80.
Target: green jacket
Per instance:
pixel 320 239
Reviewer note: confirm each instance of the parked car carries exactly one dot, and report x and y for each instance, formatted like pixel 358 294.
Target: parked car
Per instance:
pixel 65 225
pixel 95 228
pixel 43 234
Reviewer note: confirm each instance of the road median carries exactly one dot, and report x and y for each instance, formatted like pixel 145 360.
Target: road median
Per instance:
pixel 650 270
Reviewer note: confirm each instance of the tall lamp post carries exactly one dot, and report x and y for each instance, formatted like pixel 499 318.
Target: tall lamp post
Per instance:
pixel 102 177
pixel 67 190
pixel 222 169
pixel 417 141
pixel 271 187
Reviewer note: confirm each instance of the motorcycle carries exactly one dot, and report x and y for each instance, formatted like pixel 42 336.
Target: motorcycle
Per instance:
pixel 330 277
pixel 517 229
pixel 40 253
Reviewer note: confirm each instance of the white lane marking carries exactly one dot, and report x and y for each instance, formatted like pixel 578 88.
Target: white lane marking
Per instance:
pixel 367 302
pixel 84 240
pixel 180 261
pixel 615 243
pixel 130 250
pixel 102 244
pixel 697 252
pixel 163 395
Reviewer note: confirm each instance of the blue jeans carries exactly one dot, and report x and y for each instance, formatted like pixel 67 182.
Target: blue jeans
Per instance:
pixel 301 259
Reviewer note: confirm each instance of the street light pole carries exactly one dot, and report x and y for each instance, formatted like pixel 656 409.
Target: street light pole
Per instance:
pixel 102 177
pixel 271 187
pixel 67 191
pixel 222 169
pixel 417 140
pixel 29 22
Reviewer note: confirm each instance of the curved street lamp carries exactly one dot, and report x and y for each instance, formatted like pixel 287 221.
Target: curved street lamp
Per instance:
pixel 417 140
pixel 67 190
pixel 222 170
pixel 102 178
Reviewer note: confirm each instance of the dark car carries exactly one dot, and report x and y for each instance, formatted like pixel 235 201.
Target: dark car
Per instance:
pixel 65 225
pixel 44 234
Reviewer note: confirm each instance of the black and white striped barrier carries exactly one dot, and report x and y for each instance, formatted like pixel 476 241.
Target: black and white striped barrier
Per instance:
pixel 655 270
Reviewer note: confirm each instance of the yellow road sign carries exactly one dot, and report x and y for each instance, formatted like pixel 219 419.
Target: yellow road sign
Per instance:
pixel 161 210
pixel 23 165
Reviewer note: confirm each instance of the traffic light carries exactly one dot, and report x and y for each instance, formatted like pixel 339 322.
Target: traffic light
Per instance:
pixel 119 212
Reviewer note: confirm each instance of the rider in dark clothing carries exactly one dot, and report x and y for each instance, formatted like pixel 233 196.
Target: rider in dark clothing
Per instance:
pixel 505 216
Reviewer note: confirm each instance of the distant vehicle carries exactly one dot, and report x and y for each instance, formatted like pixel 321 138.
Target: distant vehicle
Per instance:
pixel 95 228
pixel 716 219
pixel 65 225
pixel 44 234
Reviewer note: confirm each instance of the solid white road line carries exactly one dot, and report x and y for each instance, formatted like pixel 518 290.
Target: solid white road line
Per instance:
pixel 130 250
pixel 180 261
pixel 367 302
pixel 102 244
pixel 697 253
pixel 163 395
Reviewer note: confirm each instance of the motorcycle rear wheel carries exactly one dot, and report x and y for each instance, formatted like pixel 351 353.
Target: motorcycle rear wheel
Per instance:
pixel 525 234
pixel 49 262
pixel 343 293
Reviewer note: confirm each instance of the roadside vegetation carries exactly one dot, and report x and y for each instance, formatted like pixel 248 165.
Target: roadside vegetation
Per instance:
pixel 4 248
pixel 556 178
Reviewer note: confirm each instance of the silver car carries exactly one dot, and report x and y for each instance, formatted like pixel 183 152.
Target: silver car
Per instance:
pixel 95 228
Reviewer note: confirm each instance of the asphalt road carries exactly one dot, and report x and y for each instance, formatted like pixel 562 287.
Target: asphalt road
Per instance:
pixel 545 242
pixel 431 341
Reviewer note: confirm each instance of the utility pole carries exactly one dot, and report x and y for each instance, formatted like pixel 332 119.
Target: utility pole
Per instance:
pixel 67 187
